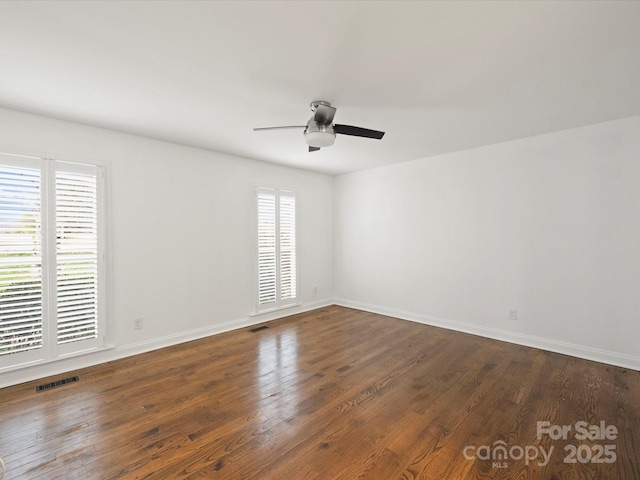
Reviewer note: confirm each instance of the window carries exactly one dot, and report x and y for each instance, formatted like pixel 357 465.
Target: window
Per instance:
pixel 277 272
pixel 51 260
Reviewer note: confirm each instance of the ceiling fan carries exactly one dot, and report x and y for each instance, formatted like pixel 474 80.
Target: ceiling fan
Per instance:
pixel 320 131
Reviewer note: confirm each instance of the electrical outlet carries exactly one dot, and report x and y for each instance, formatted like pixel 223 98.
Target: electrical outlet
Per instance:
pixel 137 323
pixel 513 314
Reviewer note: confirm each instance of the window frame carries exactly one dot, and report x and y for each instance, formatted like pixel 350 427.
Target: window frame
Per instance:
pixel 51 350
pixel 279 302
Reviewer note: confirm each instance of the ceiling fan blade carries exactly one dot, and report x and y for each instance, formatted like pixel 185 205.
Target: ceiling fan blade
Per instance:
pixel 357 131
pixel 324 114
pixel 314 149
pixel 280 128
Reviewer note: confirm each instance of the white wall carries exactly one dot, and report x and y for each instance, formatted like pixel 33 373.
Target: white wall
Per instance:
pixel 548 225
pixel 181 233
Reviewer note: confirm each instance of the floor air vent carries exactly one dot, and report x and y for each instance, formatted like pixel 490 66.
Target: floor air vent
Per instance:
pixel 257 329
pixel 57 383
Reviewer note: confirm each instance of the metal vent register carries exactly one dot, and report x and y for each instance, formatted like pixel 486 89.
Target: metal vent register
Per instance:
pixel 57 383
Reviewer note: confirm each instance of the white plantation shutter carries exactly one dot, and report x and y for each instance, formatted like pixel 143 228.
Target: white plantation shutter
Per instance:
pixel 277 272
pixel 266 248
pixel 20 260
pixel 287 247
pixel 51 261
pixel 76 257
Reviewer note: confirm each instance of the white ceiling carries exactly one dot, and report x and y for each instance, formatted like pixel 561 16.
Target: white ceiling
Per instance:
pixel 436 76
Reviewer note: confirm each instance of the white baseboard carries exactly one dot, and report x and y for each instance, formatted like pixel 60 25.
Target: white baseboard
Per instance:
pixel 565 348
pixel 61 366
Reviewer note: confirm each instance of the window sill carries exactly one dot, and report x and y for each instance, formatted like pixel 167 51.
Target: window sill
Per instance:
pixel 276 309
pixel 53 360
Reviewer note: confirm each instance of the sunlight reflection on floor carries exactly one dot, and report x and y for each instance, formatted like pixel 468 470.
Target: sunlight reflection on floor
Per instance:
pixel 278 375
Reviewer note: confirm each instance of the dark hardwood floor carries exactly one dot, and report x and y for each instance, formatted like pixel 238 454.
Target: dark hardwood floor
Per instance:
pixel 330 394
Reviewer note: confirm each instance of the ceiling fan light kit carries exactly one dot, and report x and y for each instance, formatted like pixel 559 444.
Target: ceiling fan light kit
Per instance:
pixel 320 130
pixel 319 136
